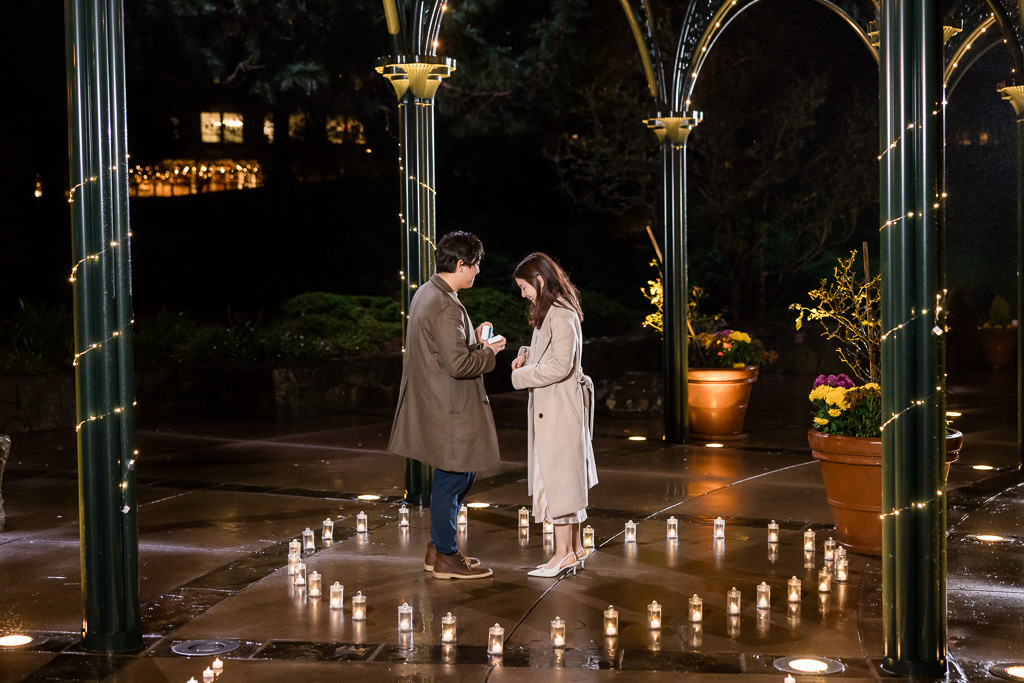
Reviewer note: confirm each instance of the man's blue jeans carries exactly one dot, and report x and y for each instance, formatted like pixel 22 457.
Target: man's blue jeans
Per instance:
pixel 446 497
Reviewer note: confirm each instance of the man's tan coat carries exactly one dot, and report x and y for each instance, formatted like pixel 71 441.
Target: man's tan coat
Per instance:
pixel 444 417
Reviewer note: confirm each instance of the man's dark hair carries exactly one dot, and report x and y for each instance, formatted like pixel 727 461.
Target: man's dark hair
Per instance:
pixel 456 246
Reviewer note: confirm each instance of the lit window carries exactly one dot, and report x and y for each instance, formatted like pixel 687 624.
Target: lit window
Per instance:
pixel 297 125
pixel 983 138
pixel 268 128
pixel 218 126
pixel 345 129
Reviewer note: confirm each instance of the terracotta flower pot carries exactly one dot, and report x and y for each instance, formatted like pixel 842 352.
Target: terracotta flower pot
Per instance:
pixel 1000 346
pixel 852 469
pixel 718 399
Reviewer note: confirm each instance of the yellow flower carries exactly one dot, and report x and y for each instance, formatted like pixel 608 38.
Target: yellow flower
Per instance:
pixel 835 413
pixel 738 365
pixel 820 392
pixel 872 386
pixel 837 397
pixel 820 421
pixel 740 337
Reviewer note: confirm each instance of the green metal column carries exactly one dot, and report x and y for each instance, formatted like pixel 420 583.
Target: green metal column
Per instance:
pixel 103 325
pixel 913 377
pixel 1015 95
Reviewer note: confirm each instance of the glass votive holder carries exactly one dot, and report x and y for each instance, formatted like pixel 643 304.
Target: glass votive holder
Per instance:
pixel 588 536
pixel 307 540
pixel 654 615
pixel 300 574
pixel 654 640
pixel 358 606
pixel 830 550
pixel 809 540
pixel 764 596
pixel 842 570
pixel 672 528
pixel 463 518
pixel 808 559
pixel 773 552
pixel 558 632
pixel 448 625
pixel 732 601
pixel 696 609
pixel 295 546
pixel 496 639
pixel 403 516
pixel 293 561
pixel 793 590
pixel 824 580
pixel 524 518
pixel 315 582
pixel 361 522
pixel 773 532
pixel 405 617
pixel 630 532
pixel 327 534
pixel 719 527
pixel 337 596
pixel 840 552
pixel 549 528
pixel 611 621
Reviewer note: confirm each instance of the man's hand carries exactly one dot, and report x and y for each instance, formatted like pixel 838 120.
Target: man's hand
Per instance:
pixel 497 345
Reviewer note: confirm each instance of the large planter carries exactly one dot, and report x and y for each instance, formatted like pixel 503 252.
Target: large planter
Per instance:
pixel 852 469
pixel 718 399
pixel 1000 346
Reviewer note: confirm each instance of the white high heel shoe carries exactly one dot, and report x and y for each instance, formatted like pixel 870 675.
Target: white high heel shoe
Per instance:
pixel 551 573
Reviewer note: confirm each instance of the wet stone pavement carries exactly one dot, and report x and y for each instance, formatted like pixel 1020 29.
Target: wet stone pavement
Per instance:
pixel 219 501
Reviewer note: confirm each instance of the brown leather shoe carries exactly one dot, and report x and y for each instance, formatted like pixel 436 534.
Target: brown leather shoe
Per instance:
pixel 431 556
pixel 457 566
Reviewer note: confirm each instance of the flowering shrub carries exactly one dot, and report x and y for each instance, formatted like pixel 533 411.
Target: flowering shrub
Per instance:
pixel 730 349
pixel 843 409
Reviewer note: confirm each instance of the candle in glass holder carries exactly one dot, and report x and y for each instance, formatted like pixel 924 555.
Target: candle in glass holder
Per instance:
pixel 314 584
pixel 294 546
pixel 293 560
pixel 830 550
pixel 672 528
pixel 337 596
pixel 361 522
pixel 630 532
pixel 308 543
pixel 842 570
pixel 719 527
pixel 809 541
pixel 405 617
pixel 793 592
pixel 496 639
pixel 549 527
pixel 611 621
pixel 773 532
pixel 300 574
pixel 824 580
pixel 358 606
pixel 588 536
pixel 696 609
pixel 403 515
pixel 448 624
pixel 654 615
pixel 764 596
pixel 732 601
pixel 328 532
pixel 558 632
pixel 524 518
pixel 463 518
pixel 840 553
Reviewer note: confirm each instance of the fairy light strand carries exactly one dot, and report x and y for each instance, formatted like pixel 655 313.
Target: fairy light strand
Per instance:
pixel 912 506
pixel 71 192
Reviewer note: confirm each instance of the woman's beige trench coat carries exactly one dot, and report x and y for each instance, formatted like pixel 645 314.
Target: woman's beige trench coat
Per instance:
pixel 561 420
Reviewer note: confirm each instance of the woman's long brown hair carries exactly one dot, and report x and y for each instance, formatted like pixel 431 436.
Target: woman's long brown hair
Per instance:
pixel 538 266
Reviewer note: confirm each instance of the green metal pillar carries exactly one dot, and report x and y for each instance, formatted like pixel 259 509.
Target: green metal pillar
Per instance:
pixel 103 325
pixel 913 377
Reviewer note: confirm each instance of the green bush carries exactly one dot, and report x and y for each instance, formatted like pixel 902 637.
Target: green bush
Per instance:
pixel 508 313
pixel 605 317
pixel 37 338
pixel 999 312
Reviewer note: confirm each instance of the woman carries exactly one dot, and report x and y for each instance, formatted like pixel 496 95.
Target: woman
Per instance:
pixel 561 457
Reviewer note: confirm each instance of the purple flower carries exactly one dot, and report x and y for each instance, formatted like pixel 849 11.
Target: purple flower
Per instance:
pixel 844 381
pixel 821 379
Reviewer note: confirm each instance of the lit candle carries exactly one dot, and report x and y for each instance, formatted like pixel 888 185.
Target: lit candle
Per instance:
pixel 300 574
pixel 524 518
pixel 672 528
pixel 328 533
pixel 403 516
pixel 208 675
pixel 549 527
pixel 789 679
pixel 404 617
pixel 696 609
pixel 611 621
pixel 495 639
pixel 588 536
pixel 809 541
pixel 294 546
pixel 307 540
pixel 293 560
pixel 764 596
pixel 842 569
pixel 732 601
pixel 840 553
pixel 217 665
pixel 793 594
pixel 337 596
pixel 558 632
pixel 719 527
pixel 192 679
pixel 361 522
pixel 830 550
pixel 448 623
pixel 630 532
pixel 314 585
pixel 773 532
pixel 358 606
pixel 824 580
pixel 654 615
pixel 463 518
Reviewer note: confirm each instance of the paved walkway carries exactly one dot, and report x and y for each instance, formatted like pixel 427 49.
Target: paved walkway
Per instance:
pixel 219 502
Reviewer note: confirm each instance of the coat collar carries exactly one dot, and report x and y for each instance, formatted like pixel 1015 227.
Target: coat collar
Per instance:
pixel 439 281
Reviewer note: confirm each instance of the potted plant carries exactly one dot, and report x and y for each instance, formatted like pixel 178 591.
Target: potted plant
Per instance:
pixel 845 436
pixel 999 335
pixel 723 366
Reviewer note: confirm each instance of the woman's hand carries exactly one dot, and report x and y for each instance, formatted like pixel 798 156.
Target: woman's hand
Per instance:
pixel 519 362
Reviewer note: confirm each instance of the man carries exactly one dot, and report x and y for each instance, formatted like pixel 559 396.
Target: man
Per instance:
pixel 444 417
